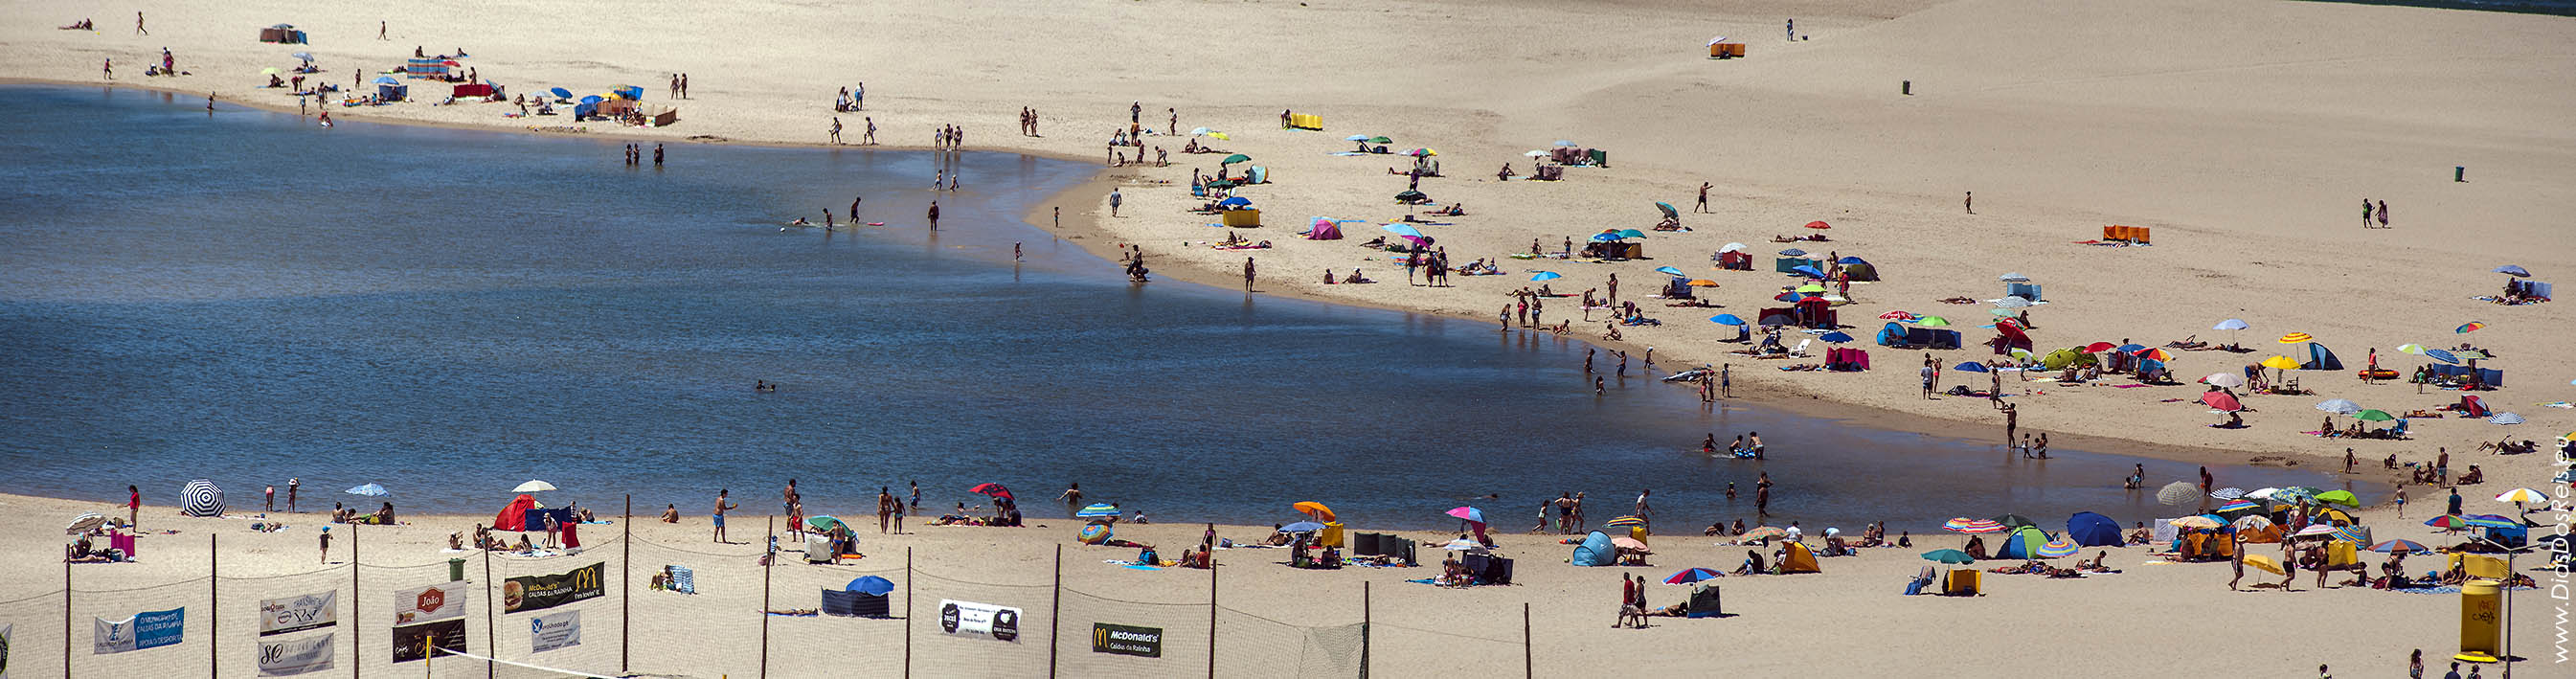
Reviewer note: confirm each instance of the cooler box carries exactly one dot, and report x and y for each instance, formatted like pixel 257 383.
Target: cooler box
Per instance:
pixel 1243 218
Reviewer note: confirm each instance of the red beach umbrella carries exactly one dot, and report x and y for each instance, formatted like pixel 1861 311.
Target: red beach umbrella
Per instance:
pixel 2221 401
pixel 993 489
pixel 2099 347
pixel 1819 225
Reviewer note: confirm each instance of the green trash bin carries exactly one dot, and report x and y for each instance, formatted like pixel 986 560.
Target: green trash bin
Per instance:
pixel 455 570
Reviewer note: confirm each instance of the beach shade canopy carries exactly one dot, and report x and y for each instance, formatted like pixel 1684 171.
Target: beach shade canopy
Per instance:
pixel 1968 525
pixel 2400 546
pixel 2490 521
pixel 2451 521
pixel 1763 533
pixel 2198 521
pixel 1932 321
pixel 1626 521
pixel 533 486
pixel 1725 319
pixel 2297 337
pixel 2088 529
pixel 1236 158
pixel 1595 550
pixel 2339 406
pixel 201 498
pixel 993 489
pixel 2097 347
pixel 1098 510
pixel 1631 233
pixel 2227 493
pixel 1094 533
pixel 370 490
pixel 1669 271
pixel 2228 380
pixel 2058 549
pixel 272 70
pixel 1301 527
pixel 1667 208
pixel 2013 278
pixel 2374 415
pixel 1948 556
pixel 2155 354
pixel 1380 139
pixel 824 524
pixel 2280 363
pixel 870 585
pixel 1717 40
pixel 1971 367
pixel 1606 236
pixel 2443 356
pixel 1315 509
pixel 561 93
pixel 1691 575
pixel 84 522
pixel 2178 492
pixel 2523 495
pixel 2513 270
pixel 1546 276
pixel 2230 324
pixel 593 99
pixel 1234 201
pixel 2506 418
pixel 2340 497
pixel 2411 348
pixel 1422 153
pixel 2469 327
pixel 1819 225
pixel 2250 521
pixel 1468 513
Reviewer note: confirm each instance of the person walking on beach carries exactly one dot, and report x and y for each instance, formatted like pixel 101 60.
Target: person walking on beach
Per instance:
pixel 934 215
pixel 1247 274
pixel 108 67
pixel 836 129
pixel 1793 30
pixel 1565 512
pixel 380 31
pixel 721 506
pixel 1703 198
pixel 138 25
pixel 1072 498
pixel 1645 511
pixel 2383 214
pixel 1579 524
pixel 2365 213
pixel 1969 202
pixel 2236 560
pixel 885 508
pixel 1614 289
pixel 326 545
pixel 1114 200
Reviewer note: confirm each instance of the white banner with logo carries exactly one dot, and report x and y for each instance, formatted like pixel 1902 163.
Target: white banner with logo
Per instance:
pixel 553 631
pixel 296 614
pixel 1002 623
pixel 148 629
pixel 295 656
pixel 435 602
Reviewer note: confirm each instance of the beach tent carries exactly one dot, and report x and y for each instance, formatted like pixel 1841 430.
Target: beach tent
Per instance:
pixel 1854 268
pixel 515 516
pixel 2093 530
pixel 1892 335
pixel 1595 551
pixel 2027 291
pixel 1796 559
pixel 2319 358
pixel 1324 229
pixel 2024 543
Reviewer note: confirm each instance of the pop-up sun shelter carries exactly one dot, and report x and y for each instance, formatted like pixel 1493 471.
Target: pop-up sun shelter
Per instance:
pixel 1796 559
pixel 2023 544
pixel 515 516
pixel 1595 551
pixel 2319 358
pixel 2093 530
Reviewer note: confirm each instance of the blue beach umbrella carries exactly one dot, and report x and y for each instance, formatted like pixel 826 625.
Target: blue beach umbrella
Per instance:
pixel 1852 260
pixel 870 585
pixel 1836 337
pixel 1726 319
pixel 2440 355
pixel 1691 575
pixel 2512 270
pixel 1669 271
pixel 1971 367
pixel 1402 230
pixel 1606 237
pixel 561 93
pixel 386 80
pixel 592 99
pixel 1301 527
pixel 2230 324
pixel 1793 252
pixel 1809 271
pixel 371 490
pixel 1547 276
pixel 1099 510
pixel 1236 201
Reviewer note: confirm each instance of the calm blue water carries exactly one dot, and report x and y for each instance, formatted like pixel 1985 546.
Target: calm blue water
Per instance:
pixel 246 297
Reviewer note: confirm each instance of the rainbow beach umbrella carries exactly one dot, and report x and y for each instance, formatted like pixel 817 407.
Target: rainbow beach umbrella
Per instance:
pixel 1968 525
pixel 1098 511
pixel 1626 521
pixel 1691 575
pixel 2400 547
pixel 2058 549
pixel 2470 327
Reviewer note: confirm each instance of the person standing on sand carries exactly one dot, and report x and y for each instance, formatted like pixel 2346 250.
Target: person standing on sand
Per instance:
pixel 1614 289
pixel 380 31
pixel 134 506
pixel 721 506
pixel 684 85
pixel 1793 30
pixel 885 509
pixel 836 129
pixel 1175 129
pixel 1927 378
pixel 2236 560
pixel 1969 202
pixel 1726 381
pixel 326 545
pixel 934 215
pixel 1703 198
pixel 1114 199
pixel 2365 213
pixel 2401 501
pixel 1247 274
pixel 2383 214
pixel 1072 498
pixel 108 67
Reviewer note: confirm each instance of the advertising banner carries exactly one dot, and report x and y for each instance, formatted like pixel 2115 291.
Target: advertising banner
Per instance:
pixel 554 630
pixel 149 629
pixel 447 635
pixel 296 614
pixel 1002 623
pixel 540 592
pixel 295 656
pixel 435 602
pixel 1127 640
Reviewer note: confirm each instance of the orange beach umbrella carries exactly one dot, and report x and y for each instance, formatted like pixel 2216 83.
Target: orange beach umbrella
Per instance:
pixel 1314 509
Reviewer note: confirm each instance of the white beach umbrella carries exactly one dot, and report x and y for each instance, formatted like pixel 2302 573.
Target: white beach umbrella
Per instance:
pixel 533 486
pixel 2228 380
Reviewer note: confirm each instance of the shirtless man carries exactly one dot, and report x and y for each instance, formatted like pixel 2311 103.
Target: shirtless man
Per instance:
pixel 721 506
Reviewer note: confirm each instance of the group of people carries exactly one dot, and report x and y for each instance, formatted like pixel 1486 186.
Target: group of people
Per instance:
pixel 867 135
pixel 635 155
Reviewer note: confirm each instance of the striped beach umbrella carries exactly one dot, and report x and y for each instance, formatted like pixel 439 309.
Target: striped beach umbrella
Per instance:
pixel 201 498
pixel 1967 525
pixel 2227 493
pixel 1691 575
pixel 2253 522
pixel 2297 337
pixel 2449 522
pixel 2315 530
pixel 2058 549
pixel 1098 511
pixel 2469 327
pixel 1762 533
pixel 2522 495
pixel 2238 506
pixel 2399 546
pixel 2353 534
pixel 2196 521
pixel 2178 492
pixel 1626 521
pixel 2491 521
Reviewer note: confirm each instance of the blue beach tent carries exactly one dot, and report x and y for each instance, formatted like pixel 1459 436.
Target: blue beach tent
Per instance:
pixel 1595 551
pixel 2024 544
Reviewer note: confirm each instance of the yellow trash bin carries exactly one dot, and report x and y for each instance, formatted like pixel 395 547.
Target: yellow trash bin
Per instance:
pixel 2481 621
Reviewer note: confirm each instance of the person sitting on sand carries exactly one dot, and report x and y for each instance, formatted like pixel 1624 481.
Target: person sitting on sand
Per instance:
pixel 1277 537
pixel 670 513
pixel 2475 476
pixel 1357 277
pixel 1752 565
pixel 524 545
pixel 1976 548
pixel 384 516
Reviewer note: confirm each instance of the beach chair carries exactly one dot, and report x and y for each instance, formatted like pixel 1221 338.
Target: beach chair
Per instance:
pixel 1921 580
pixel 1964 582
pixel 1801 349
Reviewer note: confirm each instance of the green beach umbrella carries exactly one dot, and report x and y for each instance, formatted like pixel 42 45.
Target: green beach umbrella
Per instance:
pixel 1631 233
pixel 823 524
pixel 1236 158
pixel 1810 287
pixel 2339 497
pixel 1932 321
pixel 1380 139
pixel 2373 415
pixel 1948 556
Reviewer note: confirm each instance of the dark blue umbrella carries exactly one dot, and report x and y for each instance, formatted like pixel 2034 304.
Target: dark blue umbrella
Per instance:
pixel 1726 319
pixel 1789 297
pixel 2440 355
pixel 1604 237
pixel 1836 337
pixel 870 585
pixel 2132 348
pixel 561 93
pixel 1810 271
pixel 1853 260
pixel 1234 202
pixel 2512 270
pixel 592 99
pixel 1970 367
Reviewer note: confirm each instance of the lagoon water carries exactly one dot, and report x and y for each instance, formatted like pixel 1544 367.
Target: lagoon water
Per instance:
pixel 246 297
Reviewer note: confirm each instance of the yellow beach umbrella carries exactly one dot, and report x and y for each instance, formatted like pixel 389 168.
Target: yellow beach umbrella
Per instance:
pixel 2297 337
pixel 2280 363
pixel 1702 283
pixel 1221 135
pixel 2265 562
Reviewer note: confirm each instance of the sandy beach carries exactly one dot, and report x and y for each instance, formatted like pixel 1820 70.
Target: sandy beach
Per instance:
pixel 2242 142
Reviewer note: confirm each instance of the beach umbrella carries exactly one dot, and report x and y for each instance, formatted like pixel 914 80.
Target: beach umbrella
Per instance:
pixel 1380 139
pixel 2058 549
pixel 306 56
pixel 1314 509
pixel 2195 521
pixel 1234 201
pixel 2251 521
pixel 1717 40
pixel 1356 137
pixel 1468 513
pixel 2339 406
pixel 370 490
pixel 2522 495
pixel 2228 380
pixel 1725 319
pixel 2221 401
pixel 2374 415
pixel 386 80
pixel 592 99
pixel 1948 556
pixel 2013 278
pixel 1971 367
pixel 2178 492
pixel 1236 158
pixel 2506 418
pixel 1932 321
pixel 1422 153
pixel 2471 354
pixel 2354 534
pixel 2230 324
pixel 1810 287
pixel 2265 562
pixel 1536 154
pixel 2264 494
pixel 1669 212
pixel 1606 236
pixel 1897 316
pixel 2012 303
pixel 1968 525
pixel 533 486
pixel 2400 546
pixel 1466 545
pixel 824 524
pixel 1791 296
pixel 1793 252
pixel 1691 575
pixel 2340 497
pixel 272 70
pixel 1670 271
pixel 1626 521
pixel 870 585
pixel 2469 327
pixel 1731 247
pixel 561 93
pixel 1631 233
pixel 1810 272
pixel 2297 337
pixel 2416 349
pixel 1819 225
pixel 84 522
pixel 2156 354
pixel 1100 510
pixel 1565 143
pixel 1762 533
pixel 1701 283
pixel 2493 521
pixel 1301 527
pixel 2280 363
pixel 2097 347
pixel 2512 270
pixel 1402 229
pixel 200 497
pixel 1547 276
pixel 2238 505
pixel 2448 522
pixel 2012 521
pixel 2440 355
pixel 1200 130
pixel 2020 354
pixel 2228 493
